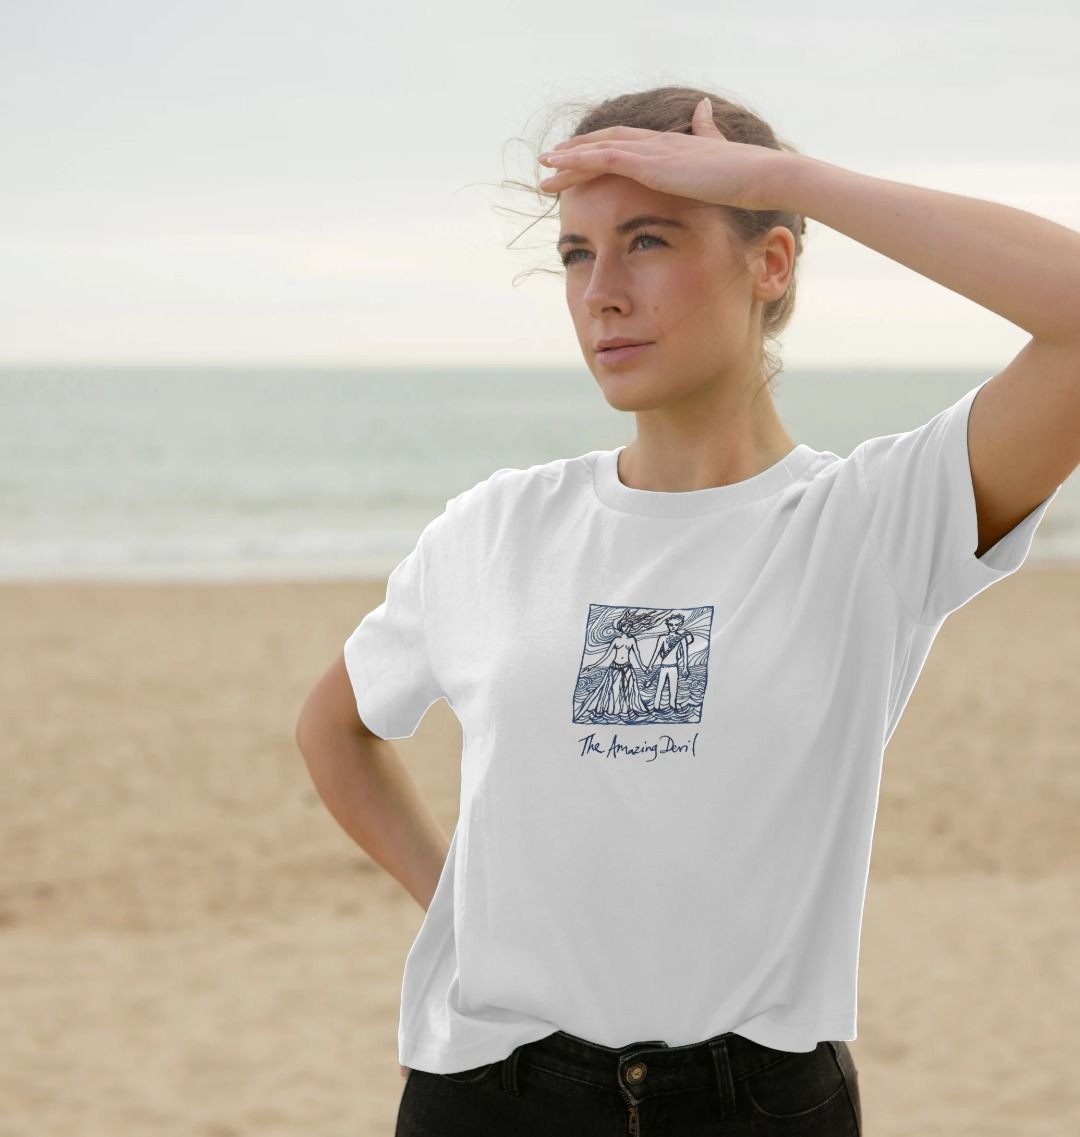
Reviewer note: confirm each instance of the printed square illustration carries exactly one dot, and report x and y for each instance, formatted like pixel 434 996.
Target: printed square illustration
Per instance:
pixel 643 665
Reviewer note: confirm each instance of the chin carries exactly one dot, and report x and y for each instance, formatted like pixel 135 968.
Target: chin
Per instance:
pixel 636 392
pixel 633 395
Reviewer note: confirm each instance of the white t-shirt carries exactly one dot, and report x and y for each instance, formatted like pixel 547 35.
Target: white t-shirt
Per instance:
pixel 674 708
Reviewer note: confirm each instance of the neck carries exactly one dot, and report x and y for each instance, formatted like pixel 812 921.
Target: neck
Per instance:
pixel 725 438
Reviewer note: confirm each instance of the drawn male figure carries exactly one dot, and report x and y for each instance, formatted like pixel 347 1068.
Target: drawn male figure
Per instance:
pixel 671 653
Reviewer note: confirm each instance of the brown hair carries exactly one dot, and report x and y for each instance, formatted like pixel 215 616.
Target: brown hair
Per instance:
pixel 672 108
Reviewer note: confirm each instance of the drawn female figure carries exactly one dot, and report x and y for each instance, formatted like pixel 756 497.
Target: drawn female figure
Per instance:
pixel 618 692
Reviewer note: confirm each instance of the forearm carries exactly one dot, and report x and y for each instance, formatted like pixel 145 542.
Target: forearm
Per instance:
pixel 370 793
pixel 1021 266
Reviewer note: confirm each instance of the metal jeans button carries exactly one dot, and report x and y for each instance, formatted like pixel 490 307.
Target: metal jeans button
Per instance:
pixel 636 1073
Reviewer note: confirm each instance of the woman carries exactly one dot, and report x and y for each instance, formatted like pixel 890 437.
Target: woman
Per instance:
pixel 647 926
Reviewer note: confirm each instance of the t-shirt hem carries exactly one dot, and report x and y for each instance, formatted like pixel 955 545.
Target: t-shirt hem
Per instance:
pixel 969 574
pixel 363 683
pixel 791 1037
pixel 451 1059
pixel 965 575
pixel 803 1036
pixel 365 687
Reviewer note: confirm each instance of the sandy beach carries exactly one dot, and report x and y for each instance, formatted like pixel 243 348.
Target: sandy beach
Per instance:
pixel 192 947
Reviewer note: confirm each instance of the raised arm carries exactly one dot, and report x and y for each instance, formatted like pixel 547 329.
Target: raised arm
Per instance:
pixel 1024 435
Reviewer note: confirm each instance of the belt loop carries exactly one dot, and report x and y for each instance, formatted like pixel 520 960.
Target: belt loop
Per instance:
pixel 509 1073
pixel 725 1083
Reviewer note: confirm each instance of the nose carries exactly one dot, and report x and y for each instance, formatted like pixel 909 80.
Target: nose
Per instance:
pixel 606 288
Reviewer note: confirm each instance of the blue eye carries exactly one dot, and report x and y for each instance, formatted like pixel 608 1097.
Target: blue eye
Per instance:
pixel 569 257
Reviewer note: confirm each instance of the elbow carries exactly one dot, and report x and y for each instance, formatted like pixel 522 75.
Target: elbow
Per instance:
pixel 306 727
pixel 300 732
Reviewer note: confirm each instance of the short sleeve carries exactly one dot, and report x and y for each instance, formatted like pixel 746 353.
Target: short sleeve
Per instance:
pixel 923 521
pixel 387 656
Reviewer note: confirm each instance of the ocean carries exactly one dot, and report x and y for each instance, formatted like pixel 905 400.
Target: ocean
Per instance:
pixel 231 473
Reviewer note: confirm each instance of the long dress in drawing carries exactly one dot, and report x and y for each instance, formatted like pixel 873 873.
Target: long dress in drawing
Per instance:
pixel 618 693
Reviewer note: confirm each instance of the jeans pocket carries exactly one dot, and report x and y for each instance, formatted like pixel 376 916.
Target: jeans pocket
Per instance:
pixel 797 1087
pixel 851 1078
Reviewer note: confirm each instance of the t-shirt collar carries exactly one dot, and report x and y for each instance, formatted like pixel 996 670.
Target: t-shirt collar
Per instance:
pixel 693 503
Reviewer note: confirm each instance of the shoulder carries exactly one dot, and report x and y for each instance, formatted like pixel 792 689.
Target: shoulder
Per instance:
pixel 511 488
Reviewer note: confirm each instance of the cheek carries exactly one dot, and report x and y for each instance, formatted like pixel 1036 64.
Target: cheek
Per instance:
pixel 691 310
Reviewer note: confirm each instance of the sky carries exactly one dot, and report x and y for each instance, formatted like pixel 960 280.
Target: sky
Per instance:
pixel 263 183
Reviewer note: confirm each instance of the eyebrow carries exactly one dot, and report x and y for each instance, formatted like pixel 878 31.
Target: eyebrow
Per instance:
pixel 638 222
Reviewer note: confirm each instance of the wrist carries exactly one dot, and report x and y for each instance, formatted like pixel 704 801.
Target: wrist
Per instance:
pixel 781 175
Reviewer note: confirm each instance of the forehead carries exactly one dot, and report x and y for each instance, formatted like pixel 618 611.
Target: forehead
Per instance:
pixel 602 202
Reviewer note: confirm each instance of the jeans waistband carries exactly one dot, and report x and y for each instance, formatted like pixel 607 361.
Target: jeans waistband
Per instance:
pixel 652 1065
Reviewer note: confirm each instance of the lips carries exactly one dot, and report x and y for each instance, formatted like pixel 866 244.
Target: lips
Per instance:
pixel 614 355
pixel 616 341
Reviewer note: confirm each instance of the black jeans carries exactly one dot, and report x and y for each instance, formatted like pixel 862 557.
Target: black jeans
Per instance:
pixel 565 1086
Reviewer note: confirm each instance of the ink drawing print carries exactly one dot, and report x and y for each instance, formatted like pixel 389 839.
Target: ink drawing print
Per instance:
pixel 643 665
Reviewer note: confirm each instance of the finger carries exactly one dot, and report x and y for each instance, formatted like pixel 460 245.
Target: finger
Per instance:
pixel 560 179
pixel 555 183
pixel 592 160
pixel 625 148
pixel 703 118
pixel 605 133
pixel 563 179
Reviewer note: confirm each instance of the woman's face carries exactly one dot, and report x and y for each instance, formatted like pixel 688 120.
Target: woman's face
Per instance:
pixel 682 288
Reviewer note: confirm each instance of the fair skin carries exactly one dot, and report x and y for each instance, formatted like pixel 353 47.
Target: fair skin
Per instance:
pixel 704 415
pixel 368 789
